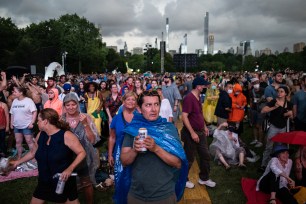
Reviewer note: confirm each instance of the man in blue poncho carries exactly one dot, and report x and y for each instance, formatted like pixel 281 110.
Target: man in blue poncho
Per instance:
pixel 159 174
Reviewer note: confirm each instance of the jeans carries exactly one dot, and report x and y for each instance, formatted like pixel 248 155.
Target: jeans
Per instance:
pixel 191 147
pixel 269 143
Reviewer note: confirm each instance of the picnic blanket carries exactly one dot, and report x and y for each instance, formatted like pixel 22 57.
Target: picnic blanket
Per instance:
pixel 253 196
pixel 16 175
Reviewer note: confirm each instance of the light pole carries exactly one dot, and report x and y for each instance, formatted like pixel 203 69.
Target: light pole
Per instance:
pixel 64 54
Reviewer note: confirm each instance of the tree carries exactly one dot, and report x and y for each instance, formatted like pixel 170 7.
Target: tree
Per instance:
pixel 10 37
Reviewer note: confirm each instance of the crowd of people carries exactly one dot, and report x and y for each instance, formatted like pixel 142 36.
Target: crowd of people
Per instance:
pixel 75 114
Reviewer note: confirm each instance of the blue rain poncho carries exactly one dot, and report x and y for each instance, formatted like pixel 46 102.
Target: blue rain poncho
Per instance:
pixel 165 136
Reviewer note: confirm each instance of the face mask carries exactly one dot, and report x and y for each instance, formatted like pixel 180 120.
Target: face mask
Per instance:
pixel 236 93
pixel 213 87
pixel 229 91
pixel 256 86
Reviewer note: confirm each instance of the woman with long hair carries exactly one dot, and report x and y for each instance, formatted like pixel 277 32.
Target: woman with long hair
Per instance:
pixel 56 150
pixel 94 104
pixel 280 110
pixel 129 101
pixel 23 116
pixel 112 103
pixel 81 93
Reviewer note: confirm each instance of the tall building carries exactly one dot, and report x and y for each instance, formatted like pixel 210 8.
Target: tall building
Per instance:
pixel 183 46
pixel 298 47
pixel 240 49
pixel 266 51
pixel 257 54
pixel 125 48
pixel 211 43
pixel 137 51
pixel 276 53
pixel 231 51
pixel 286 49
pixel 247 48
pixel 199 52
pixel 167 34
pixel 206 27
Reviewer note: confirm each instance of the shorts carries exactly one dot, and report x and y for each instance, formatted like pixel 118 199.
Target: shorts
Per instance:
pixel 25 131
pixel 83 175
pixel 46 191
pixel 257 118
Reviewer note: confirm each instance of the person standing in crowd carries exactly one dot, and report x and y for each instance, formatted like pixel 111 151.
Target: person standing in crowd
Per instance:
pixel 194 132
pixel 4 127
pixel 112 103
pixel 154 84
pixel 51 83
pixel 119 122
pixel 280 110
pixel 165 107
pixel 81 94
pixel 67 89
pixel 23 116
pixel 159 174
pixel 171 92
pixel 83 127
pixel 299 107
pixel 94 103
pixel 54 152
pixel 224 104
pixel 257 102
pixel 54 101
pixel 275 180
pixel 138 89
pixel 3 82
pixel 129 83
pixel 62 80
pixel 35 93
pixel 239 102
pixel 271 90
pixel 188 85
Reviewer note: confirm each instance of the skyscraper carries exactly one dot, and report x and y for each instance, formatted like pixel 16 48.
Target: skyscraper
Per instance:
pixel 167 34
pixel 211 42
pixel 206 26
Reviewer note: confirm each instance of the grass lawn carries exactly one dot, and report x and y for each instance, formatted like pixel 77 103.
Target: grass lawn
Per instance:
pixel 228 189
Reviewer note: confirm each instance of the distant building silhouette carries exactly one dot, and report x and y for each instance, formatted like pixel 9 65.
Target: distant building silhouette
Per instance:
pixel 266 51
pixel 211 42
pixel 298 47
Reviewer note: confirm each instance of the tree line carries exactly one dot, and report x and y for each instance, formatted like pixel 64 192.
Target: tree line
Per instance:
pixel 42 43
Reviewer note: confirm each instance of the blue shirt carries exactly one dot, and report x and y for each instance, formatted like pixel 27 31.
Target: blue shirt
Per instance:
pixel 299 100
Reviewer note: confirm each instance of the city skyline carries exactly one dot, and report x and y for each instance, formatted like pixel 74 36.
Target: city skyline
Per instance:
pixel 273 24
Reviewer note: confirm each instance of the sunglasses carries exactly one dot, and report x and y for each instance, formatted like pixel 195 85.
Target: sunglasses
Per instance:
pixel 150 93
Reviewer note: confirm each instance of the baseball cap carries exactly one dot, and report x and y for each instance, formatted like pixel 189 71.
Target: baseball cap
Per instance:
pixel 67 87
pixel 200 81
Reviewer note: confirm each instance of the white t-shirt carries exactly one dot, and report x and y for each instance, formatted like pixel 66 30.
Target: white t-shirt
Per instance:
pixel 22 111
pixel 165 109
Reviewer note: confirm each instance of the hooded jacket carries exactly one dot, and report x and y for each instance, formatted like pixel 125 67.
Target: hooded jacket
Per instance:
pixel 237 114
pixel 55 103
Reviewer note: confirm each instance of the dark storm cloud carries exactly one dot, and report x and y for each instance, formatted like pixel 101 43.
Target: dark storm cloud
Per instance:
pixel 274 23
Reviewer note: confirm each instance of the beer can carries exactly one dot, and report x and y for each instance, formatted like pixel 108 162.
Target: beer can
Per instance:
pixel 60 186
pixel 142 133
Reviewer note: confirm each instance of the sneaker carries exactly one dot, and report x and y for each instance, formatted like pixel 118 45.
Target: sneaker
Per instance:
pixel 189 184
pixel 254 142
pixel 253 159
pixel 259 144
pixel 208 183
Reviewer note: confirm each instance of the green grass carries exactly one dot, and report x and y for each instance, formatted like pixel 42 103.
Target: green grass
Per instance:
pixel 227 191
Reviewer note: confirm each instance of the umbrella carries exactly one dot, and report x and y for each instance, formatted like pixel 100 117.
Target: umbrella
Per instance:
pixel 294 137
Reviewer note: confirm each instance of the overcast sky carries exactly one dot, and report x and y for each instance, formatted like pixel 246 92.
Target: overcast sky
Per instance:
pixel 274 24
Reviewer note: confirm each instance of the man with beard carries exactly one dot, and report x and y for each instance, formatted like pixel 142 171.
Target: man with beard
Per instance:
pixel 51 83
pixel 194 132
pixel 171 92
pixel 270 91
pixel 35 93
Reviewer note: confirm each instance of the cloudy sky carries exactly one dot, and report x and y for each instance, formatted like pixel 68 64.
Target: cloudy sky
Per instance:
pixel 274 24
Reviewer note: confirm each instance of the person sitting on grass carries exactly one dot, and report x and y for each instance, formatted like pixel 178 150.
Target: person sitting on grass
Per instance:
pixel 226 148
pixel 275 180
